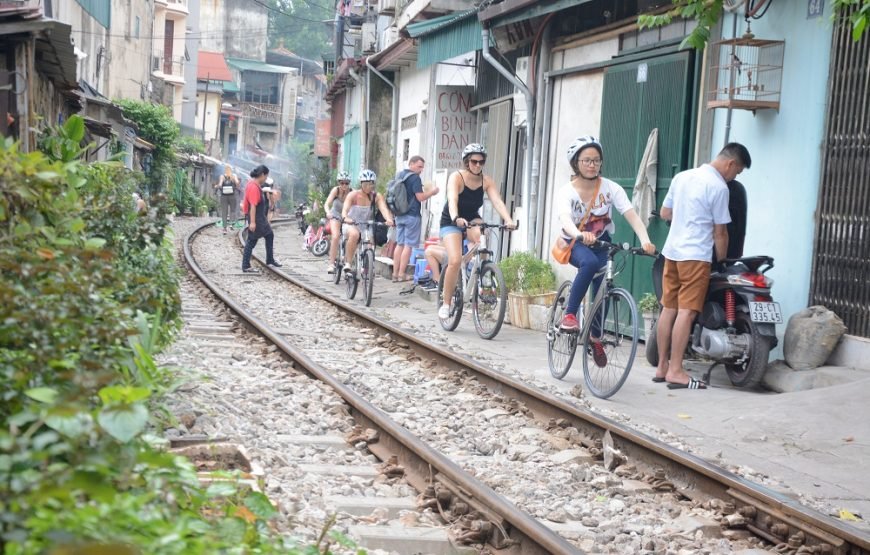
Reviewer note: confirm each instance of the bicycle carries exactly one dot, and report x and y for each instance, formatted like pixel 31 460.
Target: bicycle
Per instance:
pixel 363 264
pixel 618 334
pixel 338 267
pixel 483 284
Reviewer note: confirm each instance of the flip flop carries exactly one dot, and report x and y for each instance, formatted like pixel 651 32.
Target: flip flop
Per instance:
pixel 657 379
pixel 693 384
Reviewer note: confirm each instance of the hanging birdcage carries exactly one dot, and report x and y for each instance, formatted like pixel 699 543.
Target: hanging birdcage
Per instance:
pixel 745 73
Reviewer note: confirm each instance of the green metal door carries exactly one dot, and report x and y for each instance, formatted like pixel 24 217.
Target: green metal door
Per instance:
pixel 639 96
pixel 352 154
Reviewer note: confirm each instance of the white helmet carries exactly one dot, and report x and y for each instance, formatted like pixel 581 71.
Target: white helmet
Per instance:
pixel 473 148
pixel 343 176
pixel 580 143
pixel 367 175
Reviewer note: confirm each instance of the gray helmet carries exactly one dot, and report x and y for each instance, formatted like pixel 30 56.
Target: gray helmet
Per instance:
pixel 580 143
pixel 367 175
pixel 473 148
pixel 343 176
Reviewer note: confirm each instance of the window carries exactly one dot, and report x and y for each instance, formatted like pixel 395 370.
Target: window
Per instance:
pixel 136 24
pixel 406 149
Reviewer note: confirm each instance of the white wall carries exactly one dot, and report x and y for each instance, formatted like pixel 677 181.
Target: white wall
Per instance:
pixel 89 37
pixel 413 85
pixel 576 112
pixel 130 55
pixel 212 107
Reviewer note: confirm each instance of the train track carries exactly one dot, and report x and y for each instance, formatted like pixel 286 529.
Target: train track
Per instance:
pixel 740 504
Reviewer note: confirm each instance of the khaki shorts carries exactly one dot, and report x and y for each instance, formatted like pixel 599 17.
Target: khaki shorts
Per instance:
pixel 684 284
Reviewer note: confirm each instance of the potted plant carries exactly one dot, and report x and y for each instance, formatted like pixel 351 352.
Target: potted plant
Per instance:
pixel 649 308
pixel 530 282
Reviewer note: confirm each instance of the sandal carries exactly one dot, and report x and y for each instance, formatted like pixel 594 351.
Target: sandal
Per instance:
pixel 692 384
pixel 657 379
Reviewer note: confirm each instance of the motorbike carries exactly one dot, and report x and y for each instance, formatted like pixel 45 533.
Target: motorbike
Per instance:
pixel 317 239
pixel 737 327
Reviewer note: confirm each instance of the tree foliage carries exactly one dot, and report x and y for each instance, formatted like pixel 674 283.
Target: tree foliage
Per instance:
pixel 88 291
pixel 708 12
pixel 157 126
pixel 299 26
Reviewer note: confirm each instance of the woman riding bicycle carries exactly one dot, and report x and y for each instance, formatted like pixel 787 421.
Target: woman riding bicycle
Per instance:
pixel 357 208
pixel 334 205
pixel 465 190
pixel 584 206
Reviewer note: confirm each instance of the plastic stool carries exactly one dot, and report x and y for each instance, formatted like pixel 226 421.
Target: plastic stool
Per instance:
pixel 416 254
pixel 421 270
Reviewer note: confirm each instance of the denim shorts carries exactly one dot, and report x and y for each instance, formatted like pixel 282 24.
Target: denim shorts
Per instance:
pixel 448 230
pixel 408 230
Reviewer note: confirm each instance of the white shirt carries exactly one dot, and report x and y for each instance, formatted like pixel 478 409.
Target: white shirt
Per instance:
pixel 699 199
pixel 609 195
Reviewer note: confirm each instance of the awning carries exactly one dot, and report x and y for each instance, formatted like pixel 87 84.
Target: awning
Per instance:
pixel 446 36
pixel 55 57
pixel 254 65
pixel 398 55
pixel 512 11
pixel 212 66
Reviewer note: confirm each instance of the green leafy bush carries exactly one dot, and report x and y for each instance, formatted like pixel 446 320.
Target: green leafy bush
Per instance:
pixel 648 303
pixel 88 291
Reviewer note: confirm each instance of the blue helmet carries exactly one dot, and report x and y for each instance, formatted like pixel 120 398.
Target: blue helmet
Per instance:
pixel 367 175
pixel 343 176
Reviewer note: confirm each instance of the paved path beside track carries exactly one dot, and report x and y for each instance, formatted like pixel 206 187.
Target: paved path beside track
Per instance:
pixel 811 445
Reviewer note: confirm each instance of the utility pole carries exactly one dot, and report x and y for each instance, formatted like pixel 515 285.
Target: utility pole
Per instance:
pixel 205 105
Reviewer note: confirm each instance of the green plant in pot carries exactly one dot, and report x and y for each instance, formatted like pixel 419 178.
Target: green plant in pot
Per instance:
pixel 530 281
pixel 648 304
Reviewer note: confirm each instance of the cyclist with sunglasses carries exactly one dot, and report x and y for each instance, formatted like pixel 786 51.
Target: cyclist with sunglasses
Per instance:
pixel 584 207
pixel 334 206
pixel 465 189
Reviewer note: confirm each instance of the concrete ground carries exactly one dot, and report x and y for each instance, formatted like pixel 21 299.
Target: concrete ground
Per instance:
pixel 811 445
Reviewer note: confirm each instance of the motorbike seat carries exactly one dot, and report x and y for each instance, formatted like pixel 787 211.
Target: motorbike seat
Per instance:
pixel 752 263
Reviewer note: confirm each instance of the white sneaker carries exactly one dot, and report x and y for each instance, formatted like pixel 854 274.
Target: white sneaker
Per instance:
pixel 330 267
pixel 444 312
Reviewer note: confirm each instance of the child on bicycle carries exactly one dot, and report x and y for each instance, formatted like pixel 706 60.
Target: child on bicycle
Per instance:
pixel 358 208
pixel 465 190
pixel 584 207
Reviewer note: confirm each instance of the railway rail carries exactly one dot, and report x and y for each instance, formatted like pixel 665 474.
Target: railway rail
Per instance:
pixel 777 519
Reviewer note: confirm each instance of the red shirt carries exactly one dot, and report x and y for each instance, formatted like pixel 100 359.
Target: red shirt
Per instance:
pixel 253 194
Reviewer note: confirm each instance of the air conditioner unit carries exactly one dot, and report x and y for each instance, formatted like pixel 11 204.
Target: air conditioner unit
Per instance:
pixel 385 7
pixel 520 115
pixel 388 37
pixel 369 37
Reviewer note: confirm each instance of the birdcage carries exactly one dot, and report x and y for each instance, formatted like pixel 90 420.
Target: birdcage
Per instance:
pixel 745 73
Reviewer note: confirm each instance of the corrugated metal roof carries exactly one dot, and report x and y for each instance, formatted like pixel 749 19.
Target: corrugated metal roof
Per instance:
pixel 431 25
pixel 255 65
pixel 446 37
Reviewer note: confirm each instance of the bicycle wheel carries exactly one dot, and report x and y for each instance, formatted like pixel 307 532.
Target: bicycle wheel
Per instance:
pixel 367 274
pixel 320 248
pixel 449 324
pixel 607 364
pixel 351 281
pixel 561 345
pixel 489 300
pixel 338 269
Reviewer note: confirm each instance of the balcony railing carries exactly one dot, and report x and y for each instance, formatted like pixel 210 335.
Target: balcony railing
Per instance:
pixel 173 66
pixel 262 112
pixel 179 6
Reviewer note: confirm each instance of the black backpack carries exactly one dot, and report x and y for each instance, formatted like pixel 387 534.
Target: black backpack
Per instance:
pixel 379 233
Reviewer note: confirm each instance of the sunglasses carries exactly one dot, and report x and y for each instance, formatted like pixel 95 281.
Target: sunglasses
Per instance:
pixel 477 162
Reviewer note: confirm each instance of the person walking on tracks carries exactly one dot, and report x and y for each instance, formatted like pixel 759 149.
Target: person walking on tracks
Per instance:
pixel 585 206
pixel 697 205
pixel 256 206
pixel 227 187
pixel 408 218
pixel 465 189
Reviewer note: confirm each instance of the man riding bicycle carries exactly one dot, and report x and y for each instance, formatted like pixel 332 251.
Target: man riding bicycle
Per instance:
pixel 358 208
pixel 584 206
pixel 465 190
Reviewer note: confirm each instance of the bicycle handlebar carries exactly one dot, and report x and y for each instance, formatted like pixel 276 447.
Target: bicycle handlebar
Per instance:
pixel 485 226
pixel 617 247
pixel 369 222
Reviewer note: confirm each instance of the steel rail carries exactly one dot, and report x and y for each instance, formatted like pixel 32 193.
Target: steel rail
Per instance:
pixel 524 531
pixel 694 477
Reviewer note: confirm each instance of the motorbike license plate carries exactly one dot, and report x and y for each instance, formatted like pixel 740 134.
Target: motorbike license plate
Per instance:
pixel 768 313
